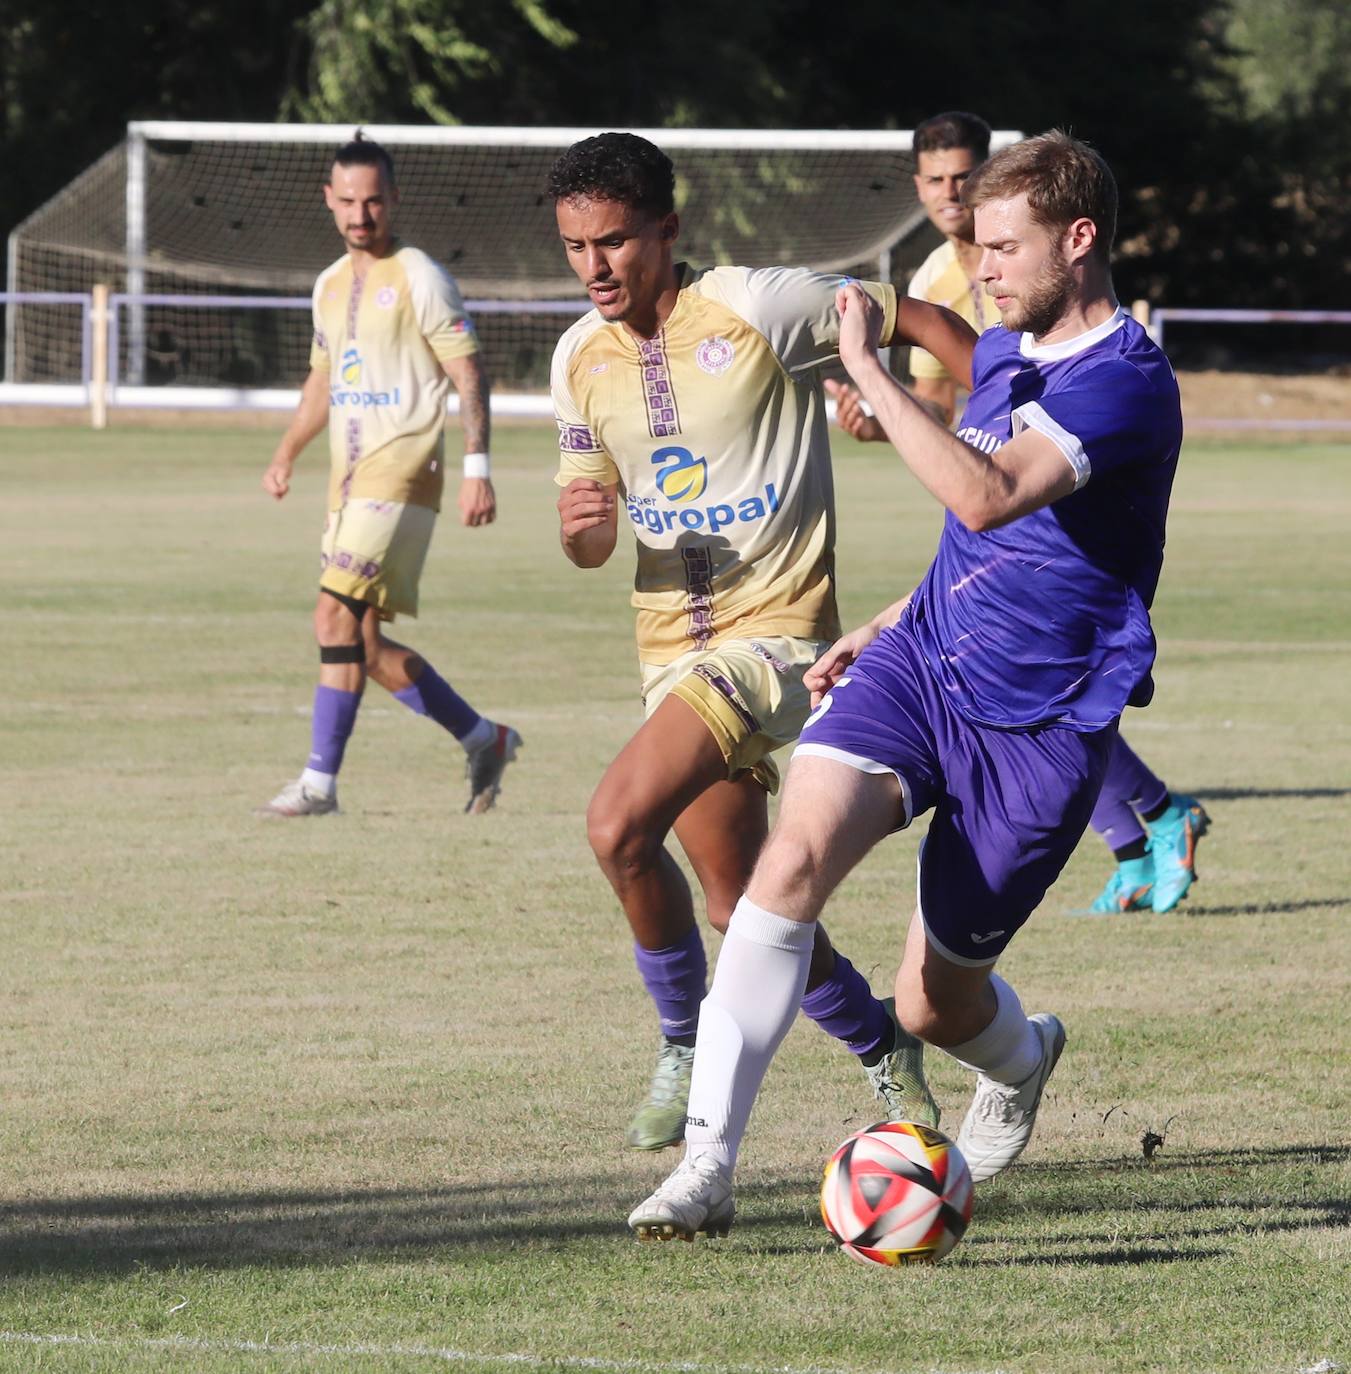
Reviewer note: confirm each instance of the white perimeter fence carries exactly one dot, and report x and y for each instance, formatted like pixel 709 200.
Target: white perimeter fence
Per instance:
pixel 94 345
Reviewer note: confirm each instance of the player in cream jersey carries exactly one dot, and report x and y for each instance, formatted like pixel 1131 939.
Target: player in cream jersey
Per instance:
pixel 690 407
pixel 734 519
pixel 390 336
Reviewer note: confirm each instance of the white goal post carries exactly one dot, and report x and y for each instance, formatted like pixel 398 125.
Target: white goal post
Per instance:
pixel 210 235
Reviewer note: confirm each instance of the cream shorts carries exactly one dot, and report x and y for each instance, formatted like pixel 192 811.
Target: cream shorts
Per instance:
pixel 748 692
pixel 374 551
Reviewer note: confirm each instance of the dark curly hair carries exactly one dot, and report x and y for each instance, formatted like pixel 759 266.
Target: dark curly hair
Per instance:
pixel 618 167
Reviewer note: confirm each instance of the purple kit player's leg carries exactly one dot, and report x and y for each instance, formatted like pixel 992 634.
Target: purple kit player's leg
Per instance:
pixel 1134 804
pixel 1129 788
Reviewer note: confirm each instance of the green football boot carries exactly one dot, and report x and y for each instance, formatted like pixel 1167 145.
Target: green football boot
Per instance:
pixel 898 1077
pixel 660 1121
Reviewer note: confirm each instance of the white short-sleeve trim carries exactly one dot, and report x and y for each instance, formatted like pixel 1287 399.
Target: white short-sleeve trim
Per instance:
pixel 862 765
pixel 1032 416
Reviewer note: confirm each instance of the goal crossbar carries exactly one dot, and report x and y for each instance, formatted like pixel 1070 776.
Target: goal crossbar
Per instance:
pixel 486 136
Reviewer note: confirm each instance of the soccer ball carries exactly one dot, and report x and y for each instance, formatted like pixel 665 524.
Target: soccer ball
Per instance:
pixel 897 1193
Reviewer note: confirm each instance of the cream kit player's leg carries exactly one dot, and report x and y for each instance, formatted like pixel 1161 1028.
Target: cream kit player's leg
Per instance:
pixel 373 554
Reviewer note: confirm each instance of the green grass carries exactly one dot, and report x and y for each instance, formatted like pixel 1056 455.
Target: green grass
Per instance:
pixel 350 1094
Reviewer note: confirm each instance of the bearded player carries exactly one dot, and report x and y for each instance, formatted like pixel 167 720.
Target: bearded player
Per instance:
pixel 390 337
pixel 1151 831
pixel 989 696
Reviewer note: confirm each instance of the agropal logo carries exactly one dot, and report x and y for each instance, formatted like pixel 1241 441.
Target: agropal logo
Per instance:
pixel 684 477
pixel 351 367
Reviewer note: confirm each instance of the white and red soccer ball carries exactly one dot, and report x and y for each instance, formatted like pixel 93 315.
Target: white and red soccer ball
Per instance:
pixel 897 1193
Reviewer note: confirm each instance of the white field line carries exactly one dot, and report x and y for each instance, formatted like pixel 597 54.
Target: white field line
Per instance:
pixel 444 1354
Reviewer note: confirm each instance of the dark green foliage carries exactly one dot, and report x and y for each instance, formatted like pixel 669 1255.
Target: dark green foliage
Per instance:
pixel 1224 119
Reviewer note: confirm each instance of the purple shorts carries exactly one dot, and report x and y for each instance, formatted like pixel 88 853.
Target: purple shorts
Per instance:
pixel 1009 805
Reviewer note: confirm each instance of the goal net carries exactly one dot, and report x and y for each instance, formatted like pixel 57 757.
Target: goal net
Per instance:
pixel 210 237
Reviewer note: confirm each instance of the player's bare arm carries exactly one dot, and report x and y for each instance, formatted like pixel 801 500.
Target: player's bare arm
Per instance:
pixel 311 418
pixel 588 515
pixel 936 330
pixel 982 490
pixel 477 500
pixel 938 395
pixel 832 665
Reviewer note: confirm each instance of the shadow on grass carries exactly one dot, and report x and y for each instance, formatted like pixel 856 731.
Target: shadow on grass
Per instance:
pixel 94 1235
pixel 1265 908
pixel 311 1228
pixel 1269 793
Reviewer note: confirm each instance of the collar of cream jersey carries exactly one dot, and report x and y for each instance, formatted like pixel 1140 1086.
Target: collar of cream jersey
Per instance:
pixel 1067 348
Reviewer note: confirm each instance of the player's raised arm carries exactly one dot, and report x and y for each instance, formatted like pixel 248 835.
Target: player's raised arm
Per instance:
pixel 982 490
pixel 477 500
pixel 310 418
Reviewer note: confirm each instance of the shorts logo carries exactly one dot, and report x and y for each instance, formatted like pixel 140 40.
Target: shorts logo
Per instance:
pixel 385 297
pixel 351 367
pixel 984 939
pixel 715 355
pixel 685 478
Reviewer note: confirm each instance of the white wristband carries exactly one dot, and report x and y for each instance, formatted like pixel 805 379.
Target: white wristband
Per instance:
pixel 478 465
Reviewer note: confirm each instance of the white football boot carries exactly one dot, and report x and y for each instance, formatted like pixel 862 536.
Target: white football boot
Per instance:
pixel 695 1200
pixel 999 1122
pixel 295 799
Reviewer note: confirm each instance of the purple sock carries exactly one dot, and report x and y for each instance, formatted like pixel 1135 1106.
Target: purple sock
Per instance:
pixel 1128 787
pixel 335 713
pixel 844 1006
pixel 674 978
pixel 431 695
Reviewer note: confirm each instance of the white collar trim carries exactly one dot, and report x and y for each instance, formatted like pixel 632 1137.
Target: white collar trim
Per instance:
pixel 1067 348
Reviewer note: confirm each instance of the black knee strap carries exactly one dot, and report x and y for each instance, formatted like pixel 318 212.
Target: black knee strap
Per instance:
pixel 342 653
pixel 358 608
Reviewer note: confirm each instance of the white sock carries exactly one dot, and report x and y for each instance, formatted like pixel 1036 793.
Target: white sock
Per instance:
pixel 1009 1048
pixel 756 993
pixel 321 784
pixel 483 733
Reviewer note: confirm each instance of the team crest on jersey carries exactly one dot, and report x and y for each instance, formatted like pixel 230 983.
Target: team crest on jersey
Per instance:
pixel 351 366
pixel 682 479
pixel 385 297
pixel 714 355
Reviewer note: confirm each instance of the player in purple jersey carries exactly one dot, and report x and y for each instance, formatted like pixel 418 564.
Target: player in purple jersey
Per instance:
pixel 1151 831
pixel 991 695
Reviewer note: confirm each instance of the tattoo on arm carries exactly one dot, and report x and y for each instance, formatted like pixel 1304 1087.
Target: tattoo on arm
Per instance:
pixel 472 384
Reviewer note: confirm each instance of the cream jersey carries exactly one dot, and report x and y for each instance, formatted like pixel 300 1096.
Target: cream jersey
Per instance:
pixel 715 432
pixel 382 339
pixel 942 280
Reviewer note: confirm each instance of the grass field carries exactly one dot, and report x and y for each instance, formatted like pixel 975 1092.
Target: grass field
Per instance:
pixel 349 1094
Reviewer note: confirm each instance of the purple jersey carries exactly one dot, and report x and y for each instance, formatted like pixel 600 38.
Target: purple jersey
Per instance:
pixel 1046 620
